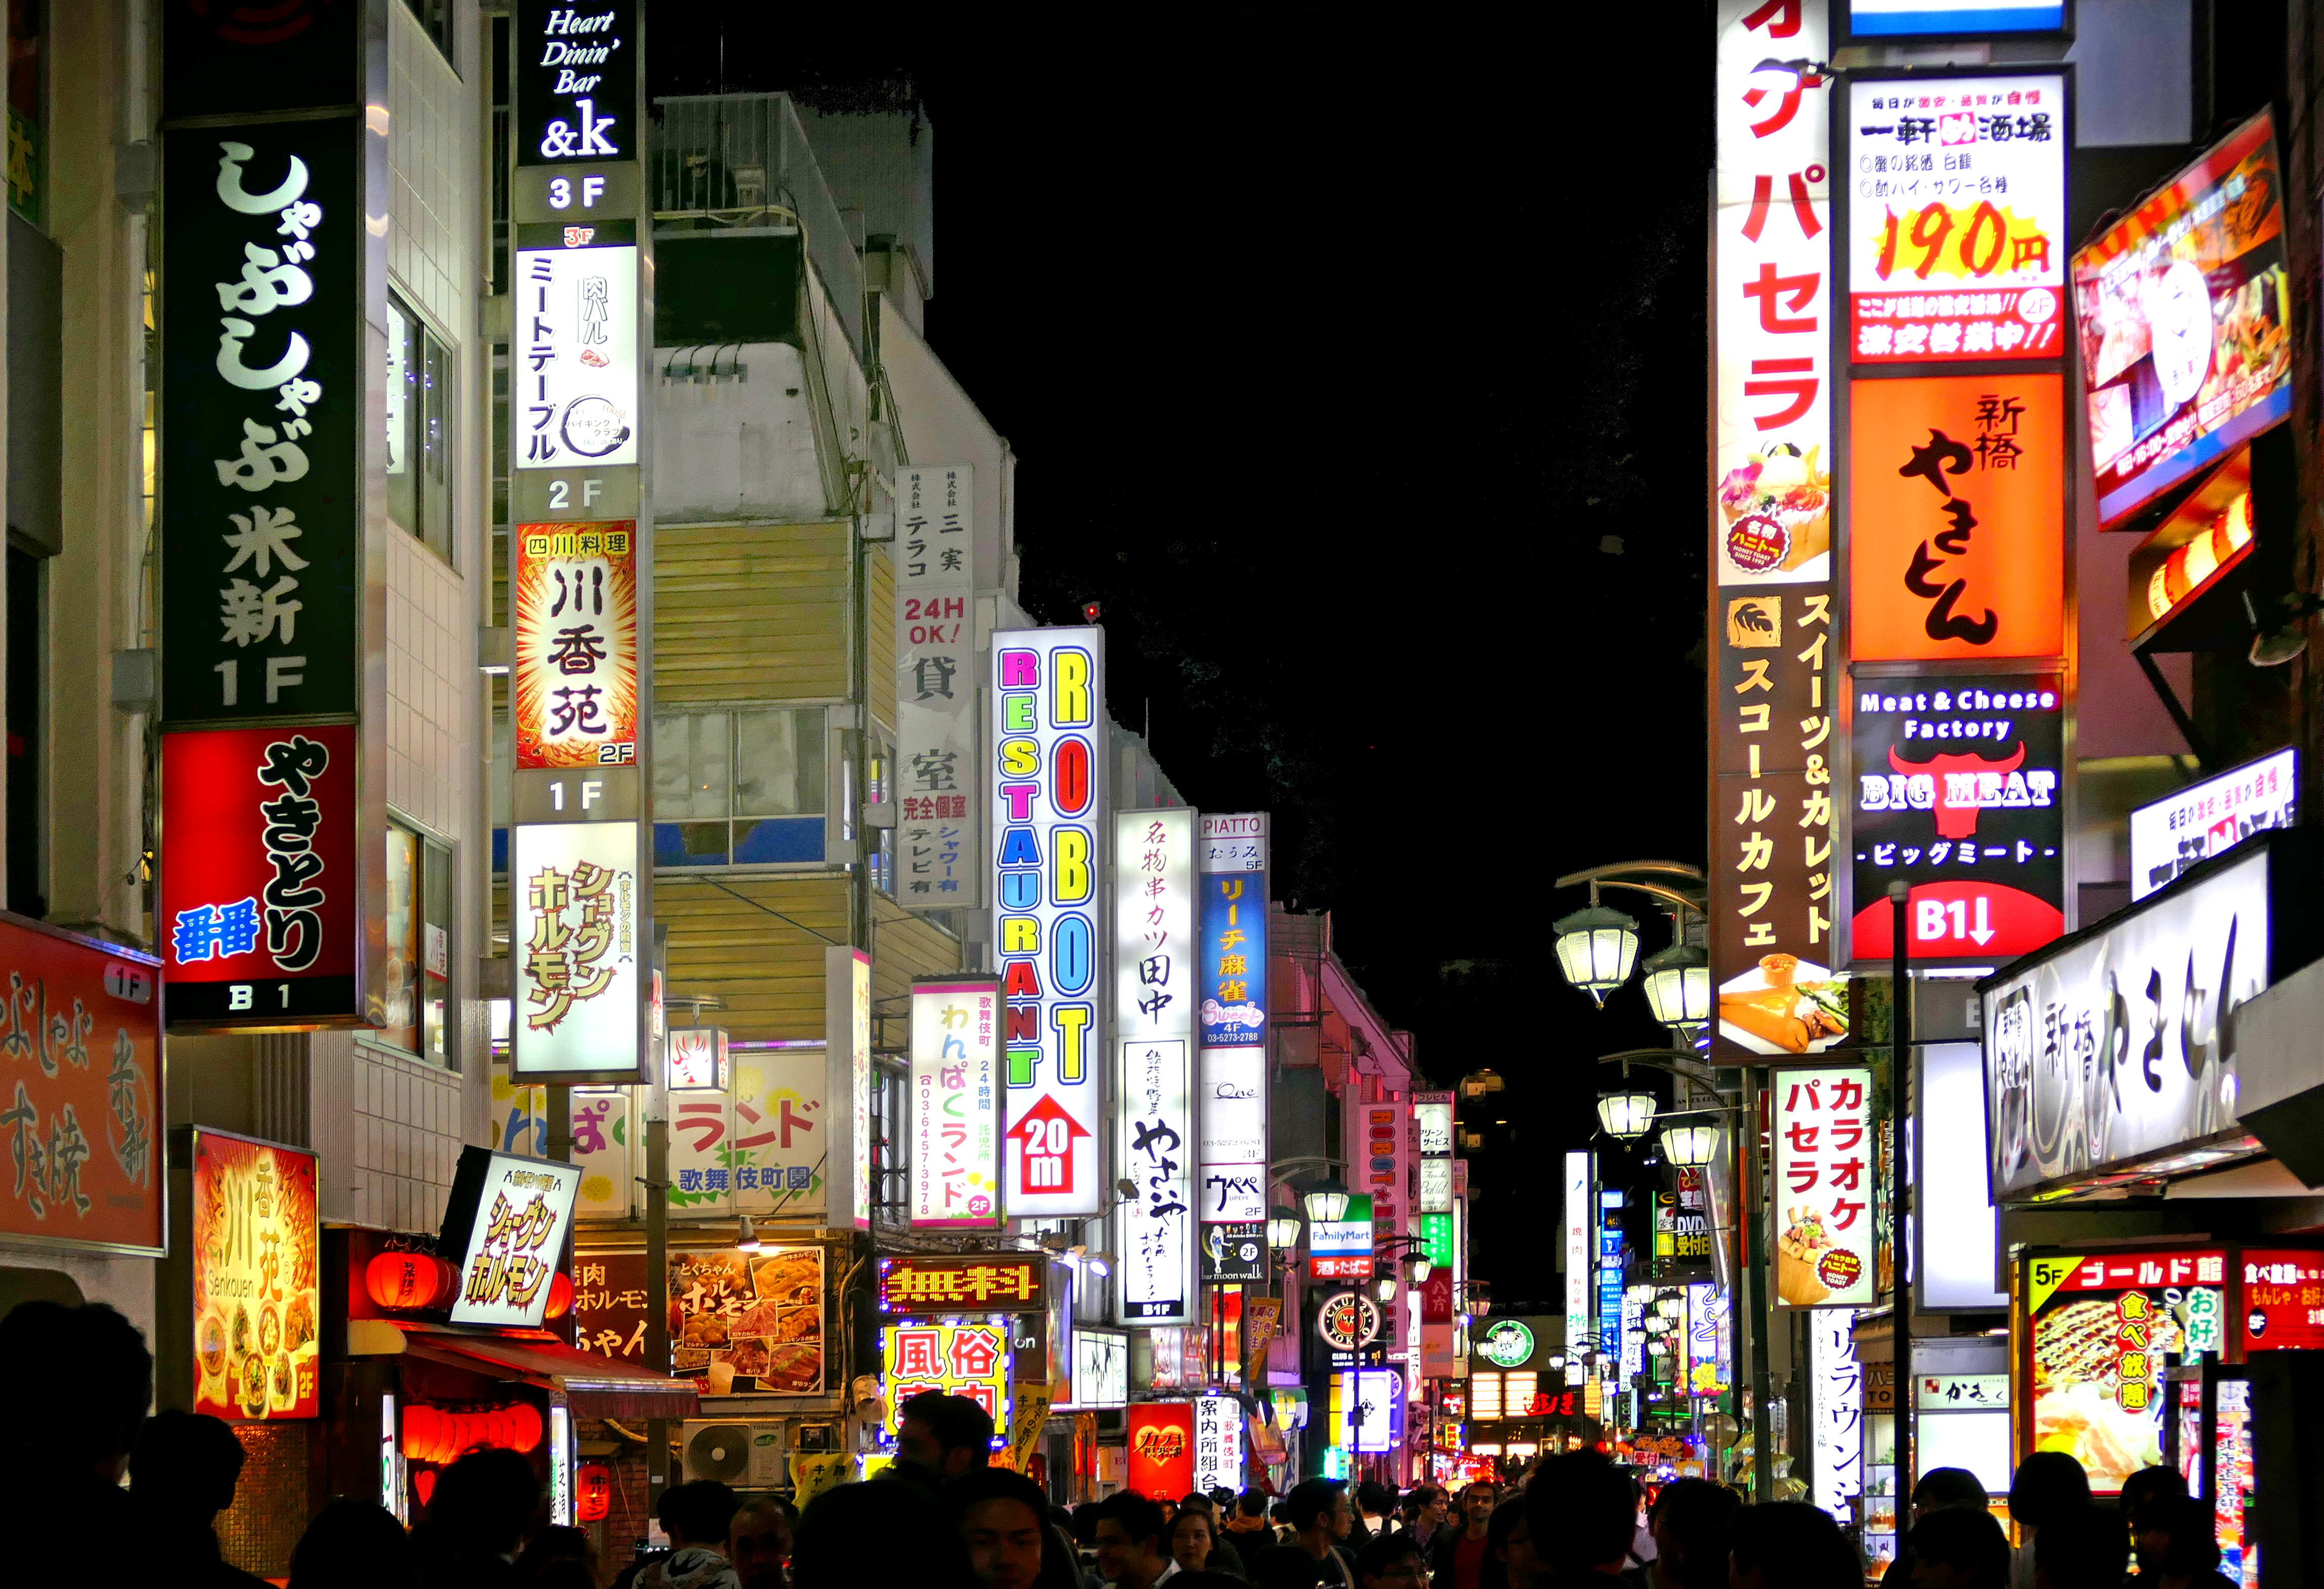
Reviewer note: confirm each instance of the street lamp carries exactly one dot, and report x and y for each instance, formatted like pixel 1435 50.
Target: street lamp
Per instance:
pixel 1595 947
pixel 1627 1115
pixel 1387 1288
pixel 1678 987
pixel 1283 1227
pixel 1690 1147
pixel 1326 1200
pixel 1422 1268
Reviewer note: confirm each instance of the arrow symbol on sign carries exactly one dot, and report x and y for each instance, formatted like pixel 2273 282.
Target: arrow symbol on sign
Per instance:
pixel 1983 931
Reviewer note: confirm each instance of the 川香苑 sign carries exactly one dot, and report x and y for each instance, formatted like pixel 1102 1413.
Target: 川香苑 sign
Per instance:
pixel 256 1286
pixel 261 399
pixel 936 775
pixel 575 606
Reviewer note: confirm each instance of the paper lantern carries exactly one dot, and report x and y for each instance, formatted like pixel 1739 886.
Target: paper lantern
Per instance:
pixel 593 1493
pixel 560 1296
pixel 524 1419
pixel 405 1280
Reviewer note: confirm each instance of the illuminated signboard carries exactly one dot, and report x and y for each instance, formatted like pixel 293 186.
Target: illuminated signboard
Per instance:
pixel 738 1321
pixel 2206 536
pixel 2185 310
pixel 1101 1368
pixel 256 1282
pixel 259 876
pixel 955 1082
pixel 1432 1112
pixel 698 1060
pixel 261 392
pixel 1341 1248
pixel 577 949
pixel 847 1044
pixel 1154 916
pixel 1958 504
pixel 1375 1407
pixel 507 1217
pixel 1161 1441
pixel 1435 1185
pixel 1218 1443
pixel 1836 1412
pixel 2203 820
pixel 1952 19
pixel 938 787
pixel 1824 1132
pixel 85 1103
pixel 985 1283
pixel 1047 739
pixel 576 69
pixel 969 1360
pixel 2095 1331
pixel 1232 988
pixel 1956 219
pixel 1960 792
pixel 1578 1220
pixel 761 1146
pixel 575 367
pixel 574 610
pixel 2283 1299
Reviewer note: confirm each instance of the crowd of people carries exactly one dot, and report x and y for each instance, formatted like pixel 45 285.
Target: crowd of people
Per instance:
pixel 941 1517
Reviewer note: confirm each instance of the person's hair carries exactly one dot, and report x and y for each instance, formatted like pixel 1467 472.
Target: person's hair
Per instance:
pixel 1196 1500
pixel 1309 1500
pixel 955 1421
pixel 1061 1517
pixel 481 1506
pixel 2048 1482
pixel 1416 1499
pixel 698 1510
pixel 1791 1544
pixel 354 1545
pixel 1221 1496
pixel 1950 1487
pixel 2142 1488
pixel 1698 1517
pixel 1463 1499
pixel 1139 1517
pixel 1584 1511
pixel 2088 1548
pixel 1969 1542
pixel 1389 1545
pixel 1085 1523
pixel 980 1484
pixel 1375 1497
pixel 1251 1503
pixel 186 1462
pixel 80 1380
pixel 762 1506
pixel 1200 1515
pixel 853 1533
pixel 2193 1549
pixel 1500 1527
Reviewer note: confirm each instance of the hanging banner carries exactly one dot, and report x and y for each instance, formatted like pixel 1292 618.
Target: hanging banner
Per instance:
pixel 1960 792
pixel 955 1084
pixel 935 548
pixel 1957 217
pixel 1049 794
pixel 574 609
pixel 1957 518
pixel 256 1290
pixel 1822 1130
pixel 260 890
pixel 262 402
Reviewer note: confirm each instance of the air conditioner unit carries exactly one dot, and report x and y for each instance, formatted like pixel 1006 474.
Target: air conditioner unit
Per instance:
pixel 741 1455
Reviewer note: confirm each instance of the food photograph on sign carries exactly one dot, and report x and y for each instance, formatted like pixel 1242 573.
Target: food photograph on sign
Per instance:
pixel 2096 1332
pixel 1957 246
pixel 257 1291
pixel 1959 794
pixel 2185 310
pixel 743 1320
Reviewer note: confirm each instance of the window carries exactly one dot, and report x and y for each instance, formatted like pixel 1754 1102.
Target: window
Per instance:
pixel 434 19
pixel 419 975
pixel 878 783
pixel 418 433
pixel 743 787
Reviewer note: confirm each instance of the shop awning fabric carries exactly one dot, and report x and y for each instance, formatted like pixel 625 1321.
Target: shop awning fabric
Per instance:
pixel 594 1386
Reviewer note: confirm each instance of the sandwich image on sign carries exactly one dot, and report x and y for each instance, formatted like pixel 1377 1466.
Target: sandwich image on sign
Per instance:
pixel 1784 1005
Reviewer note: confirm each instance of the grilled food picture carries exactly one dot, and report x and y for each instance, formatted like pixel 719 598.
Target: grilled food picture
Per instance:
pixel 788 1277
pixel 793 1365
pixel 750 1357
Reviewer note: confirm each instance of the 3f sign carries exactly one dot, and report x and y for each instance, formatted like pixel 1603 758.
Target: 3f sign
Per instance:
pixel 560 192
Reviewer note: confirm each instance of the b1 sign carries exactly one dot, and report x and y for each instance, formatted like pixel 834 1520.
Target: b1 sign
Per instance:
pixel 2209 818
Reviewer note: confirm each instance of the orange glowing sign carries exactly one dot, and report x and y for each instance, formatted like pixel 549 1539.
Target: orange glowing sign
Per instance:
pixel 1957 517
pixel 256 1296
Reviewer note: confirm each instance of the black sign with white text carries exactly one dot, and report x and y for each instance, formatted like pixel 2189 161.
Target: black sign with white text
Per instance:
pixel 576 81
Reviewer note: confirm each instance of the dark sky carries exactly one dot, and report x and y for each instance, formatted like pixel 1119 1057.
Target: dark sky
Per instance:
pixel 1335 342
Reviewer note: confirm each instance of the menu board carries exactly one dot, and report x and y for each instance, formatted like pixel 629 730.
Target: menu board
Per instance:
pixel 2095 1329
pixel 256 1295
pixel 2283 1299
pixel 739 1322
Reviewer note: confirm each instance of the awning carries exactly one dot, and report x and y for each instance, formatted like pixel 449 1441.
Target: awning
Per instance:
pixel 592 1386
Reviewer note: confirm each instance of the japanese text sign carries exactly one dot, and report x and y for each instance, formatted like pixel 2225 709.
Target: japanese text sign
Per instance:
pixel 2185 312
pixel 2145 1007
pixel 1836 1405
pixel 847 1036
pixel 969 1360
pixel 1218 1443
pixel 1956 219
pixel 2095 1332
pixel 1960 793
pixel 1155 1281
pixel 1048 702
pixel 1161 1447
pixel 1432 1112
pixel 1825 1139
pixel 259 876
pixel 1232 985
pixel 2210 818
pixel 574 367
pixel 1234 1135
pixel 738 1321
pixel 575 613
pixel 955 1082
pixel 2283 1299
pixel 261 396
pixel 506 1217
pixel 1154 945
pixel 935 550
pixel 576 81
pixel 80 1053
pixel 256 1282
pixel 1771 333
pixel 1580 1216
pixel 760 1145
pixel 1958 513
pixel 985 1283
pixel 1234 1252
pixel 574 908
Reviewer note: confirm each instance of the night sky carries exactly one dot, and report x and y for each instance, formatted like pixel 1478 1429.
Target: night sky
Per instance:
pixel 1354 359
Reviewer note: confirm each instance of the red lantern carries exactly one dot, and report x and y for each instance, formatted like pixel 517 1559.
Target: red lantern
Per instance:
pixel 524 1427
pixel 406 1281
pixel 560 1296
pixel 593 1493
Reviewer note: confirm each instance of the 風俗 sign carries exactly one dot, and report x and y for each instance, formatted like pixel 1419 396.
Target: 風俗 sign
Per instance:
pixel 575 607
pixel 1960 792
pixel 1048 793
pixel 259 881
pixel 2210 818
pixel 969 1360
pixel 507 1217
pixel 1826 1142
pixel 956 1103
pixel 256 1290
